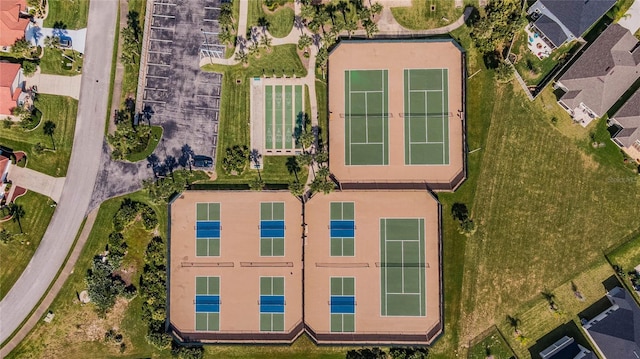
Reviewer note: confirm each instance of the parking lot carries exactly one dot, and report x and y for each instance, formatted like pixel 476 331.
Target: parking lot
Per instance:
pixel 182 99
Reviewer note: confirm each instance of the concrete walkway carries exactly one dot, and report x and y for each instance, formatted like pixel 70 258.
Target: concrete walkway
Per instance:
pixel 55 289
pixel 37 182
pixel 56 84
pixel 631 19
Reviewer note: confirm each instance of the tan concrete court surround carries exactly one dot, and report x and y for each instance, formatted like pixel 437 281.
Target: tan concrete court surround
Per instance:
pixel 396 56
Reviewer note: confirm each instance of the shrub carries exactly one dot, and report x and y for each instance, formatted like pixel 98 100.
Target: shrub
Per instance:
pixel 103 286
pixel 366 353
pixel 182 352
pixel 7 123
pixel 159 340
pixel 149 217
pixel 126 214
pixel 29 68
pixel 236 159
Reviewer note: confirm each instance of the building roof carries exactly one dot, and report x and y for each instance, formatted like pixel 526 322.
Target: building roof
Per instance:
pixel 12 26
pixel 615 334
pixel 4 164
pixel 628 116
pixel 578 15
pixel 604 72
pixel 8 73
pixel 551 30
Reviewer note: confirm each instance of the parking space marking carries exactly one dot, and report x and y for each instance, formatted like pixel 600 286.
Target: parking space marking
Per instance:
pixel 164 16
pixel 160 40
pixel 162 28
pixel 163 65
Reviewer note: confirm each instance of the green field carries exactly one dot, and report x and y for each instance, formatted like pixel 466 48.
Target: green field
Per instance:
pixel 419 16
pixel 62 111
pixel 492 344
pixel 280 21
pixel 69 14
pixel 16 254
pixel 52 62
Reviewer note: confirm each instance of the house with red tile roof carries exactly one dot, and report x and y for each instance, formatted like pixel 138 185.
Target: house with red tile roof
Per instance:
pixel 11 86
pixel 13 21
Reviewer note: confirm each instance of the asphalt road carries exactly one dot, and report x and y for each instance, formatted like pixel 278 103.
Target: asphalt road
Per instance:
pixel 81 176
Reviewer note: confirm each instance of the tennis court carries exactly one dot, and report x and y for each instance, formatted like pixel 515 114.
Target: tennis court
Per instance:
pixel 272 304
pixel 342 229
pixel 208 229
pixel 402 266
pixel 207 303
pixel 343 304
pixel 366 117
pixel 426 116
pixel 272 229
pixel 283 105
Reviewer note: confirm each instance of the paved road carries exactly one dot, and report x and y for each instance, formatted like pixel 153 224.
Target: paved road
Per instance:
pixel 37 182
pixel 81 176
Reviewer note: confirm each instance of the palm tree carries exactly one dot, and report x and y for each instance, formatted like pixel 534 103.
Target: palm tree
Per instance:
pixel 51 42
pixel 225 37
pixel 304 159
pixel 296 188
pixel 265 41
pixel 350 26
pixel 323 172
pixel 242 57
pixel 307 12
pixel 254 157
pixel 293 166
pixel 17 212
pixel 253 48
pixel 330 10
pixel 514 322
pixel 321 17
pixel 343 6
pixel 49 128
pixel 370 27
pixel 304 41
pixel 376 8
pixel 263 23
pixel 256 184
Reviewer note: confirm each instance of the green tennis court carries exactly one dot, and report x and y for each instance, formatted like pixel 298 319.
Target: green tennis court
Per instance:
pixel 366 117
pixel 402 267
pixel 426 117
pixel 282 108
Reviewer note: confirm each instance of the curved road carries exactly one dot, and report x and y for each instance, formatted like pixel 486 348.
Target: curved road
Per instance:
pixel 81 176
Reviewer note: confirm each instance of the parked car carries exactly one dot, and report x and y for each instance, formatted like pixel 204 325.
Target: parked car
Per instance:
pixel 202 161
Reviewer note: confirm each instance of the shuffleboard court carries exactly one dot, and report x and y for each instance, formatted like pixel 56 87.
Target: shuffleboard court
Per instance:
pixel 426 116
pixel 207 304
pixel 272 229
pixel 208 228
pixel 283 105
pixel 366 117
pixel 402 267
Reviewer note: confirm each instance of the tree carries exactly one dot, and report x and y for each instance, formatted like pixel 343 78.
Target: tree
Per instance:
pixel 304 159
pixel 265 41
pixel 306 139
pixel 52 42
pixel 502 18
pixel 370 27
pixel 350 26
pixel 242 57
pixel 20 46
pixel 293 166
pixel 343 6
pixel 256 184
pixel 254 157
pixel 253 48
pixel 29 67
pixel 103 286
pixel 376 8
pixel 5 236
pixel 504 72
pixel 514 322
pixel 322 157
pixel 225 37
pixel 17 213
pixel 321 17
pixel 296 188
pixel 304 42
pixel 49 129
pixel 263 23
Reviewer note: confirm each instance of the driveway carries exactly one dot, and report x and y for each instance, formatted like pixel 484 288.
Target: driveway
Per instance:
pixel 631 19
pixel 56 84
pixel 36 35
pixel 81 176
pixel 37 182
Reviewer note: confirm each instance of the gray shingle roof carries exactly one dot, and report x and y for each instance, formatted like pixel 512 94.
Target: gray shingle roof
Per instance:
pixel 604 72
pixel 616 334
pixel 628 116
pixel 551 30
pixel 578 15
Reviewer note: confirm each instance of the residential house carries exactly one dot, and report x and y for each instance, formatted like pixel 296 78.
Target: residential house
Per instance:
pixel 566 348
pixel 14 20
pixel 11 87
pixel 615 332
pixel 627 120
pixel 5 163
pixel 560 21
pixel 602 74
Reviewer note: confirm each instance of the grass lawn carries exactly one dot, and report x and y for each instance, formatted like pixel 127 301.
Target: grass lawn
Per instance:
pixel 234 110
pixel 73 14
pixel 280 21
pixel 15 255
pixel 130 75
pixel 540 201
pixel 156 135
pixel 52 62
pixel 627 256
pixel 530 67
pixel 419 15
pixel 493 344
pixel 62 111
pixel 323 117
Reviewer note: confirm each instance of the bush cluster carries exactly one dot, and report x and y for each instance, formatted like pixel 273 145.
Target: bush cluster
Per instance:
pixel 235 159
